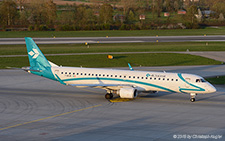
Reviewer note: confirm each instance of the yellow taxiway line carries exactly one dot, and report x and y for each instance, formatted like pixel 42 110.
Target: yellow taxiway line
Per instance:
pixel 120 100
pixel 33 121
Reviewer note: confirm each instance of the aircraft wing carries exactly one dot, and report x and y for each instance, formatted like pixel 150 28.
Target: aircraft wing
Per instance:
pixel 103 86
pixel 100 85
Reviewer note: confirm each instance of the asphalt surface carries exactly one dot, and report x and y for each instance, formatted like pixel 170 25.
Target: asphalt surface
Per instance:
pixel 36 108
pixel 76 40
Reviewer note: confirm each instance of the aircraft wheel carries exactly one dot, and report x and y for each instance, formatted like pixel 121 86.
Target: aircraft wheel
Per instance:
pixel 192 99
pixel 109 96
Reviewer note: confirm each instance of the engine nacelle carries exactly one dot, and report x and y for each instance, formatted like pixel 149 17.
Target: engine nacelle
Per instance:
pixel 127 92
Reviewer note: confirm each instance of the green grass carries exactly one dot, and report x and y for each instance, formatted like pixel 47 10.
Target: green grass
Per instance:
pixel 220 80
pixel 152 59
pixel 111 33
pixel 124 47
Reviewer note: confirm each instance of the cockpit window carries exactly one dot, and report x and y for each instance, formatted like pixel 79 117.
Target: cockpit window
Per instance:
pixel 200 80
pixel 203 80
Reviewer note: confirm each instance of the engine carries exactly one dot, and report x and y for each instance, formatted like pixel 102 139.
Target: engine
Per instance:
pixel 127 92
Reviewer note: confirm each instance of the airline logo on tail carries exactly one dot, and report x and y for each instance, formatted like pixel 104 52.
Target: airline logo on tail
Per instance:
pixel 34 53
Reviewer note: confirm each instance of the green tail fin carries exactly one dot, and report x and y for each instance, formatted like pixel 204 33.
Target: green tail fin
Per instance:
pixel 36 58
pixel 38 63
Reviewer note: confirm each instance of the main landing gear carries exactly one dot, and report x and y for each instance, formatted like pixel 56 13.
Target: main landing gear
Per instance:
pixel 109 96
pixel 192 95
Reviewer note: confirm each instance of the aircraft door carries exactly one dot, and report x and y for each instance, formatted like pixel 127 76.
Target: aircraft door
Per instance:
pixel 186 84
pixel 56 72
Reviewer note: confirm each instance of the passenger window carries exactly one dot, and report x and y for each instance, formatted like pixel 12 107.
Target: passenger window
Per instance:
pixel 133 76
pixel 61 72
pixel 124 76
pixel 81 73
pixel 65 72
pixel 176 79
pixel 171 79
pixel 159 78
pixel 154 78
pixel 77 73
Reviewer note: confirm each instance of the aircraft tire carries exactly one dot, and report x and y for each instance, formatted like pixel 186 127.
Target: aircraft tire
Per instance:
pixel 192 99
pixel 109 96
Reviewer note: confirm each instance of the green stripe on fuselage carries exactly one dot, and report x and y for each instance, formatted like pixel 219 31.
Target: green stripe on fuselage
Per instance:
pixel 121 80
pixel 186 89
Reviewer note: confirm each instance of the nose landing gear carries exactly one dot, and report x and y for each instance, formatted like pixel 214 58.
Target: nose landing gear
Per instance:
pixel 192 99
pixel 192 95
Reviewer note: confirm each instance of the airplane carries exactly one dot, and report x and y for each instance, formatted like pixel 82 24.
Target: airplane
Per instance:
pixel 125 83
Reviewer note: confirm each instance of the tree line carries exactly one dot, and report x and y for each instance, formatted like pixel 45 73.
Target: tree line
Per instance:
pixel 103 15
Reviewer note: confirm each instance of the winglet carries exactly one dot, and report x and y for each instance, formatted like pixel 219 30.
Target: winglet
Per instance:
pixel 130 67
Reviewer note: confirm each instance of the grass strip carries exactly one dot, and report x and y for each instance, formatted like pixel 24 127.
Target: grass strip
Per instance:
pixel 112 33
pixel 120 60
pixel 219 80
pixel 117 47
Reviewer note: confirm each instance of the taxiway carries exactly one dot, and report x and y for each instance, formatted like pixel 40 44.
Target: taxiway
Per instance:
pixel 35 108
pixel 79 40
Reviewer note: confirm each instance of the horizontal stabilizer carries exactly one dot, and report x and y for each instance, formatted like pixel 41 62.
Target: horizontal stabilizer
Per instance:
pixel 23 68
pixel 28 69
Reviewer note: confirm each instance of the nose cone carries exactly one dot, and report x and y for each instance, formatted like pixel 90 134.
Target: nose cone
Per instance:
pixel 212 89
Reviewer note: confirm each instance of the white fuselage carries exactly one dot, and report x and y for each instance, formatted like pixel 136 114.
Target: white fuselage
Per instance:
pixel 140 80
pixel 124 83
